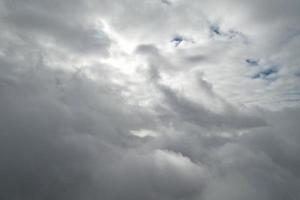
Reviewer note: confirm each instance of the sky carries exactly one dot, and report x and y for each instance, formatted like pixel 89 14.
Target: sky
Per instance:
pixel 149 99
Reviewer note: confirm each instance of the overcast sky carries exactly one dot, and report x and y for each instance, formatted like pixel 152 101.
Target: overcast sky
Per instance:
pixel 149 100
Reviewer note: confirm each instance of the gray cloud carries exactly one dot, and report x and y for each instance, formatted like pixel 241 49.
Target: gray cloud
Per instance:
pixel 58 23
pixel 96 102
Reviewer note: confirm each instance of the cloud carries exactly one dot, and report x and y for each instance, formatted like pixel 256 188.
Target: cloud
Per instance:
pixel 56 24
pixel 97 103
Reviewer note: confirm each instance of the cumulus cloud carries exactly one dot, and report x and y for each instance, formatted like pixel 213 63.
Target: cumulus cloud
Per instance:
pixel 149 100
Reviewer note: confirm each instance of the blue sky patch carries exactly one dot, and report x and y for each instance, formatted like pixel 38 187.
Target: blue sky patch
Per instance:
pixel 166 2
pixel 266 74
pixel 251 62
pixel 177 40
pixel 215 29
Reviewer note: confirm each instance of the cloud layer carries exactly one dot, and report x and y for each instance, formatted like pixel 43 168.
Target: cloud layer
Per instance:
pixel 149 100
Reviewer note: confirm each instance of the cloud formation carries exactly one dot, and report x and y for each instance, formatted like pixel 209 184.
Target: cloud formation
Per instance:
pixel 149 100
